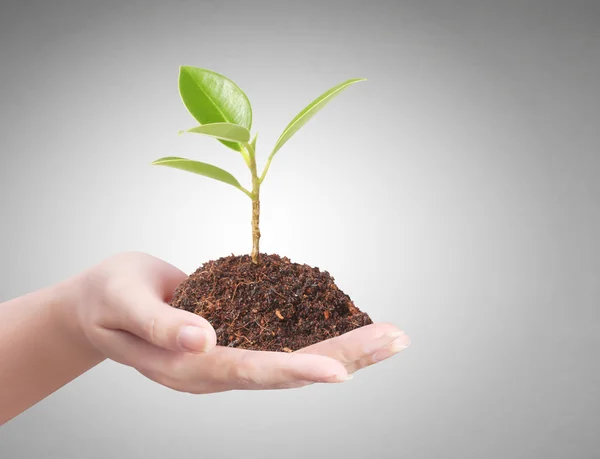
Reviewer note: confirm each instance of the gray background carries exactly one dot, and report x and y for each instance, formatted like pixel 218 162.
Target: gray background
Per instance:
pixel 454 194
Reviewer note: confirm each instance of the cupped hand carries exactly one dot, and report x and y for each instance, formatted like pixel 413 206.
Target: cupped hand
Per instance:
pixel 126 317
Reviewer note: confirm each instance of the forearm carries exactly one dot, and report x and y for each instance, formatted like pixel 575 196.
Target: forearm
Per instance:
pixel 42 347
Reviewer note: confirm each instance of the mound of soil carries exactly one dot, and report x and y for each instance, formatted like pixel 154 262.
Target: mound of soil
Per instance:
pixel 275 305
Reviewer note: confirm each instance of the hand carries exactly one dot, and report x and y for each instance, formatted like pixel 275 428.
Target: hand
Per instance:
pixel 329 361
pixel 126 318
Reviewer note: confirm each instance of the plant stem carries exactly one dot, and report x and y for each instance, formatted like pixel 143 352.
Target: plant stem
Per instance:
pixel 255 196
pixel 255 229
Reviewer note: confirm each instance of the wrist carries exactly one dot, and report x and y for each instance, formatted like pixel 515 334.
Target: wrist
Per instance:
pixel 69 297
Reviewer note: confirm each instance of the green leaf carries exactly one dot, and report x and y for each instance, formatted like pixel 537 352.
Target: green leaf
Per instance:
pixel 213 98
pixel 223 131
pixel 207 170
pixel 311 110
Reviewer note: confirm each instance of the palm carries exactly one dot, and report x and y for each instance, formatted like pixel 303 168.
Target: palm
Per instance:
pixel 226 368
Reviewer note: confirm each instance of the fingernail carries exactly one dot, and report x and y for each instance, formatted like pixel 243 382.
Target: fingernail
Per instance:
pixel 193 339
pixel 339 378
pixel 382 341
pixel 401 343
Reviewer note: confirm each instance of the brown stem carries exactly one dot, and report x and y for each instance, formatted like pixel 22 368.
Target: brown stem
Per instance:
pixel 255 228
pixel 255 209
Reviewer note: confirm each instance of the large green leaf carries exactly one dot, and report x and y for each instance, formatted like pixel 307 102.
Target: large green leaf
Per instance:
pixel 213 98
pixel 311 110
pixel 207 170
pixel 223 131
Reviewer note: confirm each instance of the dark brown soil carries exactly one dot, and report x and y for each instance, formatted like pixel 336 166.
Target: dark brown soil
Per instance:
pixel 276 305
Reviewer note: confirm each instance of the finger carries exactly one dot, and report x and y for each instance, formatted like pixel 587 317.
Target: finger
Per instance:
pixel 142 313
pixel 362 347
pixel 165 278
pixel 128 349
pixel 355 344
pixel 236 369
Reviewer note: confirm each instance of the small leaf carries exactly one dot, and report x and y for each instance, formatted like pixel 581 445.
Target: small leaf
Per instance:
pixel 253 143
pixel 207 170
pixel 311 110
pixel 223 131
pixel 213 98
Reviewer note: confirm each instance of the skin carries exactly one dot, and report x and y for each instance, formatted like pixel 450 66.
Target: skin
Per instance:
pixel 118 310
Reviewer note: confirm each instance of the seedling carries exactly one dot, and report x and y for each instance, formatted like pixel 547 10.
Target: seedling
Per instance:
pixel 224 112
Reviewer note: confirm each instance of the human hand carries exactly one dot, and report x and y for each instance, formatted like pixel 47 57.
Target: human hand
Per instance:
pixel 126 317
pixel 330 361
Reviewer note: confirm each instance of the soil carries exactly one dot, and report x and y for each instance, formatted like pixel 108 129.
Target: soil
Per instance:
pixel 275 305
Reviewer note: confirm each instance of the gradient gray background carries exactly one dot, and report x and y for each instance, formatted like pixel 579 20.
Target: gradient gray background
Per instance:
pixel 454 194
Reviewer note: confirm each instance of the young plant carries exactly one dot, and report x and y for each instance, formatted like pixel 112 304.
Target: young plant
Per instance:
pixel 224 112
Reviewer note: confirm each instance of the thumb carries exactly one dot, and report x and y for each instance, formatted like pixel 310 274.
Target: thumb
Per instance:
pixel 147 316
